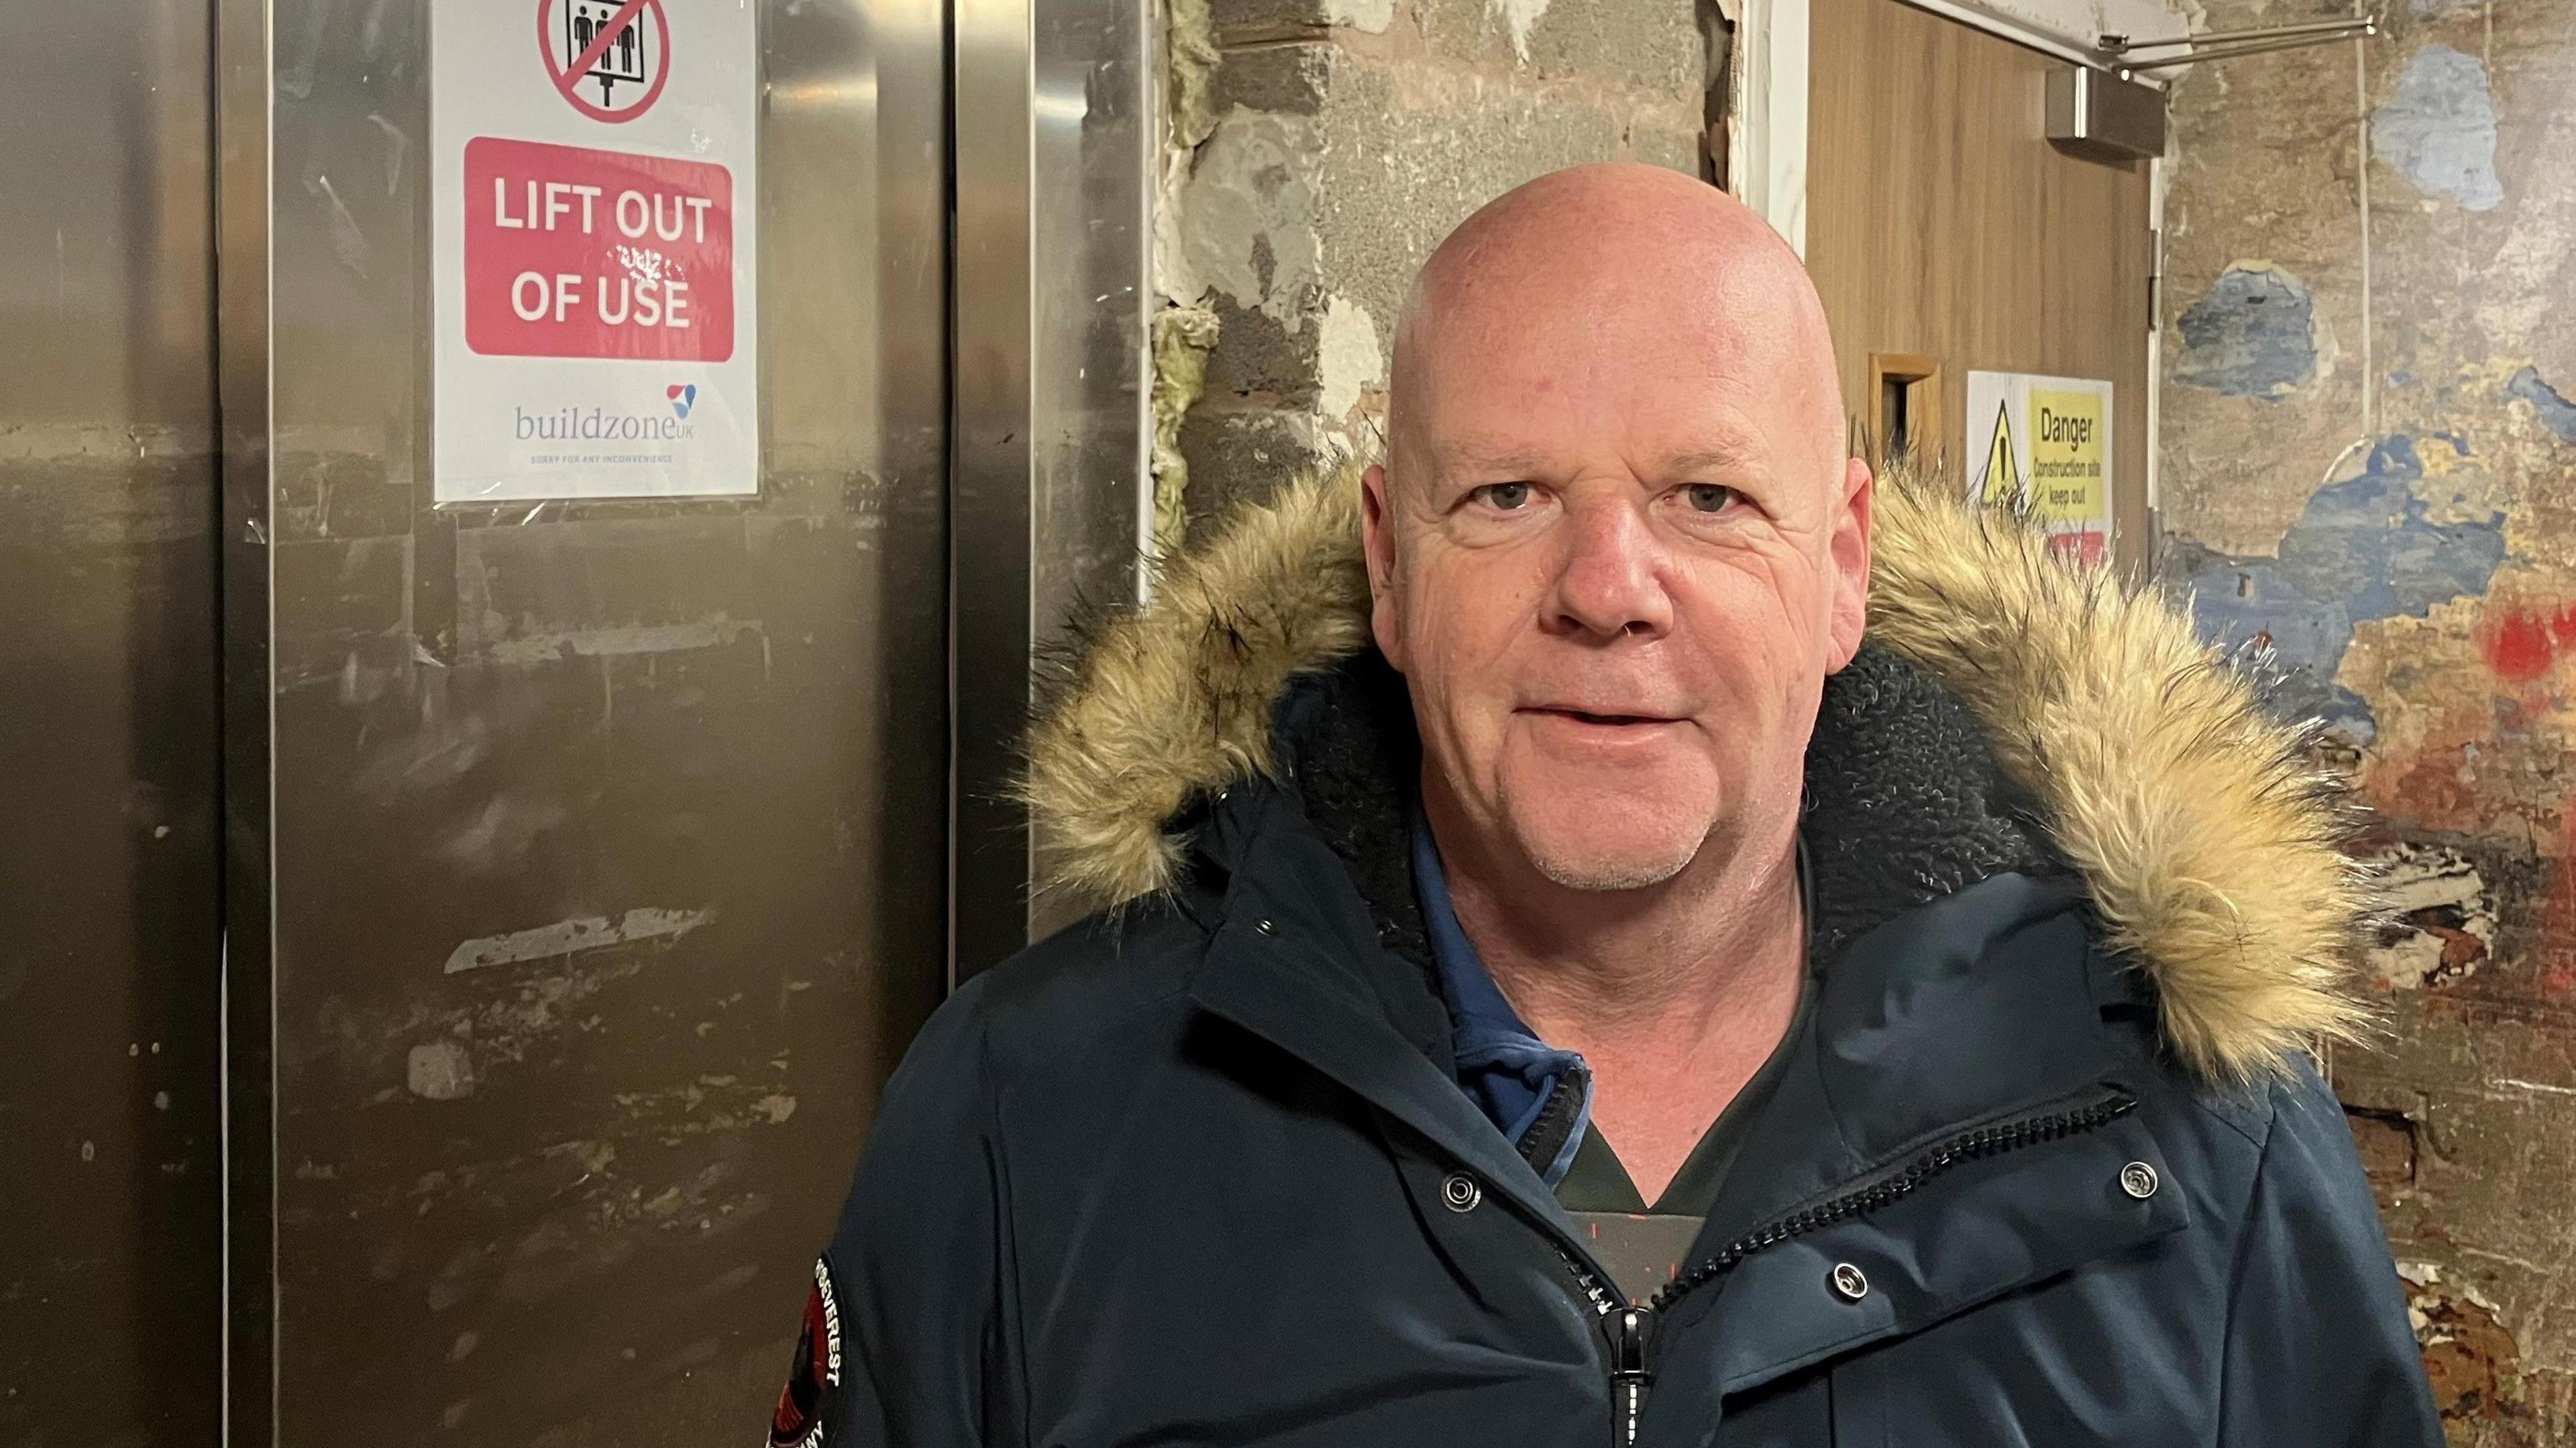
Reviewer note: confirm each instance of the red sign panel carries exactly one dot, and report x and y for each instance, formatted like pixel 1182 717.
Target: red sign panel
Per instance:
pixel 571 252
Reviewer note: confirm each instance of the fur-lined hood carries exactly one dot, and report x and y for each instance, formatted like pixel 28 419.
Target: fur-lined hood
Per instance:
pixel 2209 845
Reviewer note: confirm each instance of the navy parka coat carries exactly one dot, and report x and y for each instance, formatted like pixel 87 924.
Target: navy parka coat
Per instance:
pixel 2052 1167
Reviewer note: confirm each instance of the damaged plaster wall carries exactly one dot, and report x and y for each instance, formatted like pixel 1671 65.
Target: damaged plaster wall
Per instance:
pixel 1315 151
pixel 2369 463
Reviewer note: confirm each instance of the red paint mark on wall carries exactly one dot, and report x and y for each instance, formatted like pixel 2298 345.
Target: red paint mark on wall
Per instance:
pixel 2521 645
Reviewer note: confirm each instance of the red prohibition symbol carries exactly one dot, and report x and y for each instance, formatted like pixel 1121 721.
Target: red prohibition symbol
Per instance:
pixel 611 49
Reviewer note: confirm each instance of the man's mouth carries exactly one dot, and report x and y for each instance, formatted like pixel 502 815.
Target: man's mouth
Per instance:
pixel 1593 716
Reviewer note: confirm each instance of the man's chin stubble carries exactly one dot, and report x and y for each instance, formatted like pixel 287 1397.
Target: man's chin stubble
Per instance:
pixel 1605 876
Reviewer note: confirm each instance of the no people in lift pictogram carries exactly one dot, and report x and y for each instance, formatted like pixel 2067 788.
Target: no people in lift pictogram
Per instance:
pixel 605 47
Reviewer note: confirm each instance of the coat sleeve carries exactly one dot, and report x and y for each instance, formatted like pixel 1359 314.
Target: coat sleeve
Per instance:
pixel 917 1262
pixel 2319 1349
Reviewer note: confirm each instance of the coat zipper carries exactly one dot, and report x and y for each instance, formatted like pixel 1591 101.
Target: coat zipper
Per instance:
pixel 1630 1327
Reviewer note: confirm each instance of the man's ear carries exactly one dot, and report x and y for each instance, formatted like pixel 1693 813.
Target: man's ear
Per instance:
pixel 1377 545
pixel 1847 553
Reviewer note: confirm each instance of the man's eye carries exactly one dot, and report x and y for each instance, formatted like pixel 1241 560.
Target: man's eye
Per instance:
pixel 1709 497
pixel 1509 497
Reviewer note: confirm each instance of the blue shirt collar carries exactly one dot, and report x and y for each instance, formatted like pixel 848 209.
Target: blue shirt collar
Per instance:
pixel 1502 1064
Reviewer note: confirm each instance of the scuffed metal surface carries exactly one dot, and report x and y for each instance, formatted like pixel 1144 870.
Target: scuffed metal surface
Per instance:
pixel 602 931
pixel 2402 526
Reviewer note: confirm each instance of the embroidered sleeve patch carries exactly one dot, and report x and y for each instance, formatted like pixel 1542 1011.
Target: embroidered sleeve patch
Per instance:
pixel 815 1375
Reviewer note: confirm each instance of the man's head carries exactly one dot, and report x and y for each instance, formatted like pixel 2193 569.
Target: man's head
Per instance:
pixel 1618 543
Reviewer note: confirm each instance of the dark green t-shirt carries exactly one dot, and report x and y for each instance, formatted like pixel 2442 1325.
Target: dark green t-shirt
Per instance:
pixel 1644 1246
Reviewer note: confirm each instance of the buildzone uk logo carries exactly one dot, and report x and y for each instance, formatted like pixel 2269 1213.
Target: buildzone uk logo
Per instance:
pixel 600 424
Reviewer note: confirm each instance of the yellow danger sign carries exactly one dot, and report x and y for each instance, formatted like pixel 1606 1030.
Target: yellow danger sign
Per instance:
pixel 2046 446
pixel 2066 456
pixel 2002 479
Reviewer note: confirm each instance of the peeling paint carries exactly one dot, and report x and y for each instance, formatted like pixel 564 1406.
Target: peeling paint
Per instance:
pixel 1520 17
pixel 569 937
pixel 2457 485
pixel 1248 217
pixel 2439 129
pixel 2363 549
pixel 2555 412
pixel 2252 334
pixel 2442 924
pixel 2473 1360
pixel 1348 357
pixel 1373 16
pixel 2449 248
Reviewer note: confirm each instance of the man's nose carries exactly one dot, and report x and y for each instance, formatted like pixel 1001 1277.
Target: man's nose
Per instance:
pixel 1610 579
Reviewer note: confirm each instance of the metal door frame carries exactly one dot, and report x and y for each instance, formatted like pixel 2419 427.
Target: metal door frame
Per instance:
pixel 1052 510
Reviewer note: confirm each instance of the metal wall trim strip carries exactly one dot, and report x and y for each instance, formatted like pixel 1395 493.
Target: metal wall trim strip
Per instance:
pixel 245 397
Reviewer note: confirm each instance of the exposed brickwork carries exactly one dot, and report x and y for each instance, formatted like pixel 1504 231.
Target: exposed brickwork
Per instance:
pixel 2388 495
pixel 1338 141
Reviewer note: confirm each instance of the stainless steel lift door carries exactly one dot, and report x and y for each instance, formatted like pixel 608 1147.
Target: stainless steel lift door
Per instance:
pixel 572 1195
pixel 695 789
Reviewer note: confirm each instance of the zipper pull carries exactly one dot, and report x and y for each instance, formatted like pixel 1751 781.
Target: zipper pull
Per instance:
pixel 1632 1370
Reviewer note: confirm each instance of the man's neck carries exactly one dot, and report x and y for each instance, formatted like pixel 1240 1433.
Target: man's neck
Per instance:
pixel 1674 994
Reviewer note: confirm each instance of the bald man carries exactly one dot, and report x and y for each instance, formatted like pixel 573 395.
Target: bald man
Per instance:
pixel 1610 929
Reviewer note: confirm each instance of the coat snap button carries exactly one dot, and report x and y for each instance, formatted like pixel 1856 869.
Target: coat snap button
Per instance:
pixel 2138 1179
pixel 1849 1283
pixel 1265 927
pixel 1459 1192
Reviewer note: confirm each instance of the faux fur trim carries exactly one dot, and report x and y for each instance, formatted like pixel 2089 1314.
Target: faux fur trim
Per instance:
pixel 2210 845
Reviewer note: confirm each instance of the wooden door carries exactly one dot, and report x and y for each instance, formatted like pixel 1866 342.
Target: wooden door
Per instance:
pixel 1945 231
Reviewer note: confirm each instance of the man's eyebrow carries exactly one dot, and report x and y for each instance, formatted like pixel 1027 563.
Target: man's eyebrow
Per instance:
pixel 1719 459
pixel 1489 457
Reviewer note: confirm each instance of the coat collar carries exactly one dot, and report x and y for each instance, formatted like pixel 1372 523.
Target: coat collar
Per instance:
pixel 2207 845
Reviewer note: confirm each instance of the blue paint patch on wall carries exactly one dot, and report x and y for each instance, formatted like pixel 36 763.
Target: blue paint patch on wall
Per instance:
pixel 2362 550
pixel 2556 412
pixel 2439 128
pixel 2252 334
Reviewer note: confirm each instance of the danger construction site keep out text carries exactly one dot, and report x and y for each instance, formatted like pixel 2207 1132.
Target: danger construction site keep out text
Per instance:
pixel 574 252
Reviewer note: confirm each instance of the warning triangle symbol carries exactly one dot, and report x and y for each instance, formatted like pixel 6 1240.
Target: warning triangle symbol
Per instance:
pixel 2002 480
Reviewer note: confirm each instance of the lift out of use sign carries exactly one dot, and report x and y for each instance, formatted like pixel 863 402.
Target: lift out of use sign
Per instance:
pixel 2045 442
pixel 594 249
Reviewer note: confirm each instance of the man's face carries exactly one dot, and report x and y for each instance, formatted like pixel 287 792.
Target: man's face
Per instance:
pixel 1616 553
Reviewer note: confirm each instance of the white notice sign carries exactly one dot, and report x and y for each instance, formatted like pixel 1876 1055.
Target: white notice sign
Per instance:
pixel 2047 441
pixel 594 240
